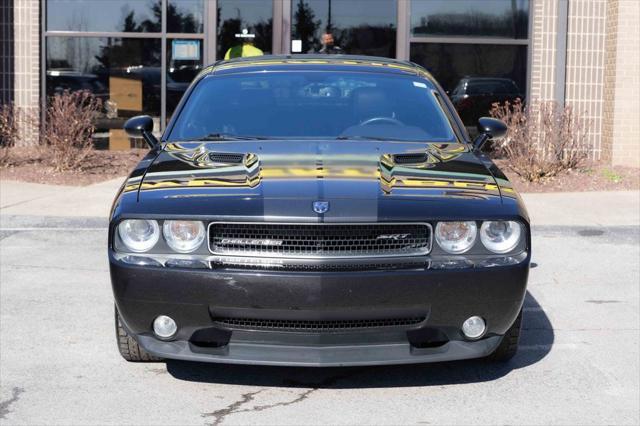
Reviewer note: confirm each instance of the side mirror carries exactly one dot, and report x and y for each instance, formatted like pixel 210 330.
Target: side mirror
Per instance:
pixel 489 128
pixel 141 127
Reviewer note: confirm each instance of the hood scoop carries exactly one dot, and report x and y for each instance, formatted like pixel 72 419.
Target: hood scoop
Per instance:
pixel 411 158
pixel 200 167
pixel 227 157
pixel 434 167
pixel 202 158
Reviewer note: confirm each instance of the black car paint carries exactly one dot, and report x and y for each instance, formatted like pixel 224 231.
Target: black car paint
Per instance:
pixel 175 180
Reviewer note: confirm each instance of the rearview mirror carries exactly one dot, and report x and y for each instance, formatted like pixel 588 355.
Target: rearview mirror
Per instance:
pixel 489 128
pixel 141 126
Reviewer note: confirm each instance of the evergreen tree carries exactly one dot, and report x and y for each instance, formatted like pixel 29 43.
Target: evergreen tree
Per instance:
pixel 305 27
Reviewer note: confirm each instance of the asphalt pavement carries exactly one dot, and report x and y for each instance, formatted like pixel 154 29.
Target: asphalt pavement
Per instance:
pixel 578 362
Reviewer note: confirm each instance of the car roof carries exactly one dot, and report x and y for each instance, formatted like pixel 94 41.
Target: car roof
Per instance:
pixel 315 62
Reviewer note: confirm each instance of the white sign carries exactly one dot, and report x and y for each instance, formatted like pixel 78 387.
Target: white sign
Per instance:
pixel 296 46
pixel 185 50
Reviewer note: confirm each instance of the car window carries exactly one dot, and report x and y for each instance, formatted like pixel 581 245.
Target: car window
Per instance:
pixel 483 88
pixel 501 88
pixel 312 104
pixel 510 86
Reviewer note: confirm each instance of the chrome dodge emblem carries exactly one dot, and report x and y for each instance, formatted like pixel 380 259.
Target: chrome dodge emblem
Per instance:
pixel 320 206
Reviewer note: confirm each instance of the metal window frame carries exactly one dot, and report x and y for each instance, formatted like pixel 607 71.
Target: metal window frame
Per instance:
pixel 210 31
pixel 403 30
pixel 469 40
pixel 43 61
pixel 561 51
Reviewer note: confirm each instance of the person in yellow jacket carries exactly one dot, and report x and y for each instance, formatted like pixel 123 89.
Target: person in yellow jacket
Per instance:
pixel 245 48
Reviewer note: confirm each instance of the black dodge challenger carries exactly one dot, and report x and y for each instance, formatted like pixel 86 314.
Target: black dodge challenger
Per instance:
pixel 317 211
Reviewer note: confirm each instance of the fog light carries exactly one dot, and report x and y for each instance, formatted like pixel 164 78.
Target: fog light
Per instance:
pixel 473 327
pixel 164 327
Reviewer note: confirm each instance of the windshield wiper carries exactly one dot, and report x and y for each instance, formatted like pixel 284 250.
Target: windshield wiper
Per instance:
pixel 227 137
pixel 361 137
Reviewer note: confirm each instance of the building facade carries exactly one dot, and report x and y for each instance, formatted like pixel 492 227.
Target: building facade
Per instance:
pixel 139 56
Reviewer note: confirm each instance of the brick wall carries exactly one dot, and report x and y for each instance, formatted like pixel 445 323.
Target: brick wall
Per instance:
pixel 585 63
pixel 26 32
pixel 602 79
pixel 543 48
pixel 621 136
pixel 585 60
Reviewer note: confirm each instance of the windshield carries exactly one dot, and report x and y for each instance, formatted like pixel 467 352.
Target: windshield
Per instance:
pixel 337 105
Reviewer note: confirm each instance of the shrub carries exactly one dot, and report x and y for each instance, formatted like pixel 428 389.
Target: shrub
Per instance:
pixel 9 130
pixel 69 127
pixel 544 139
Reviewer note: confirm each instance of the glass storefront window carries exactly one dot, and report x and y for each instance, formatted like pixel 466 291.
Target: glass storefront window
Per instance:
pixel 359 27
pixel 104 15
pixel 126 72
pixel 184 62
pixel 245 28
pixel 486 18
pixel 185 16
pixel 477 74
pixel 123 72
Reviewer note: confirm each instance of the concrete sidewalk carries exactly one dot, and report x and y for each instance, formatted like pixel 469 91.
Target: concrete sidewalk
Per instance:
pixel 614 208
pixel 33 199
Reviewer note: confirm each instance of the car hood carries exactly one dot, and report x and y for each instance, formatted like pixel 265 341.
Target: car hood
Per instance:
pixel 362 180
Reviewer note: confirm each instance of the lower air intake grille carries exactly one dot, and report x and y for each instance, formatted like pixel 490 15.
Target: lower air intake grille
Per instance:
pixel 319 240
pixel 315 326
pixel 320 267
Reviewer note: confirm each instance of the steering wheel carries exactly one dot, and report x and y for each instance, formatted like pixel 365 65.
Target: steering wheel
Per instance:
pixel 378 120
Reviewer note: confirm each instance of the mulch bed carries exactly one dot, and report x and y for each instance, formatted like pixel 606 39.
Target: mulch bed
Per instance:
pixel 32 165
pixel 592 177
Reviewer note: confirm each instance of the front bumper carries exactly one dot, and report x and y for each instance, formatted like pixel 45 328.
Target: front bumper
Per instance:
pixel 238 352
pixel 196 298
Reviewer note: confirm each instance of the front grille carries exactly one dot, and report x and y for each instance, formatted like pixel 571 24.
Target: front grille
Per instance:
pixel 315 325
pixel 320 240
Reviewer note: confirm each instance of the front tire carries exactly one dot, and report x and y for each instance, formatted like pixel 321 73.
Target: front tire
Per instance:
pixel 128 347
pixel 509 345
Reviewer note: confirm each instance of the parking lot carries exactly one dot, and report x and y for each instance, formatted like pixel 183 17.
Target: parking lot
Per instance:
pixel 578 362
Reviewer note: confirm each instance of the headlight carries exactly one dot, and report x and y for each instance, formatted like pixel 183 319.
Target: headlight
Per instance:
pixel 139 235
pixel 500 236
pixel 456 237
pixel 183 236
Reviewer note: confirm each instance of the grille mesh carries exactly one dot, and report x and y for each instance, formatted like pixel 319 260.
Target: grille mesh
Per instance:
pixel 319 240
pixel 321 267
pixel 226 157
pixel 411 158
pixel 316 325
